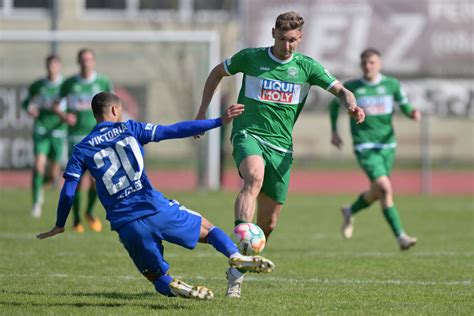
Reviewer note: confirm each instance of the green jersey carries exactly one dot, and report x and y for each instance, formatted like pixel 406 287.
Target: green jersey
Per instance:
pixel 78 93
pixel 274 92
pixel 42 94
pixel 377 100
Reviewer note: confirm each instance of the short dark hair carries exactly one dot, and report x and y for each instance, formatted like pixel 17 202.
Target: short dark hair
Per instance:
pixel 289 21
pixel 84 50
pixel 52 57
pixel 101 101
pixel 369 52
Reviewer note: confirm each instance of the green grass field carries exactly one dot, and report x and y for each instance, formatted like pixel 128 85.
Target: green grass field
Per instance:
pixel 316 271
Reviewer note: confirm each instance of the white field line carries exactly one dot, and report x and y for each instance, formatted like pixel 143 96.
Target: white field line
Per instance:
pixel 253 279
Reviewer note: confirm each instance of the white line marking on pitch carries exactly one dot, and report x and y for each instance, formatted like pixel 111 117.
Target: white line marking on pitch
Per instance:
pixel 255 279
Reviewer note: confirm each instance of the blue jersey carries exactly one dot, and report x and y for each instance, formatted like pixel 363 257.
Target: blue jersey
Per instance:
pixel 114 155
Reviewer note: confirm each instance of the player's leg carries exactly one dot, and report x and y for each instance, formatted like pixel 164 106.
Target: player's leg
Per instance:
pixel 274 189
pixel 370 162
pixel 37 184
pixel 252 171
pixel 144 246
pixel 55 158
pixel 268 213
pixel 41 149
pixel 247 154
pixel 93 221
pixel 390 212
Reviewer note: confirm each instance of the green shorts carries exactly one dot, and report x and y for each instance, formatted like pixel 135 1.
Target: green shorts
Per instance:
pixel 376 162
pixel 277 165
pixel 51 147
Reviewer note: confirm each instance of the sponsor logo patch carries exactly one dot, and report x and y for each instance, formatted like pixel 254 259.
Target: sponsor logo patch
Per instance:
pixel 277 91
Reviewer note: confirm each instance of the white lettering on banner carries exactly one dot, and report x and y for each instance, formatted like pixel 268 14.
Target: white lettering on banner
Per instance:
pixel 16 152
pixel 11 113
pixel 453 11
pixel 410 28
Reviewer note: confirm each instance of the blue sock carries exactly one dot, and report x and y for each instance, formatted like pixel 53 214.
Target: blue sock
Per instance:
pixel 162 285
pixel 219 240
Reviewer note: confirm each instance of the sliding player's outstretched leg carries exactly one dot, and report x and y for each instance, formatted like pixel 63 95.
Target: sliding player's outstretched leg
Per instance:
pixel 257 264
pixel 184 290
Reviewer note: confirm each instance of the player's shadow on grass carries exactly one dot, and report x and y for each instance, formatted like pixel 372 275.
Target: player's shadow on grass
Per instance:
pixel 126 300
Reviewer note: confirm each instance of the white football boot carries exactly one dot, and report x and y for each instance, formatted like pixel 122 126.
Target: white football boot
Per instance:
pixel 36 210
pixel 181 289
pixel 235 279
pixel 406 242
pixel 347 227
pixel 257 264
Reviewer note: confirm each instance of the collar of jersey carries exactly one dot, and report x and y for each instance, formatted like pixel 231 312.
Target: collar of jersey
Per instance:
pixel 269 50
pixel 92 78
pixel 372 83
pixel 54 83
pixel 103 124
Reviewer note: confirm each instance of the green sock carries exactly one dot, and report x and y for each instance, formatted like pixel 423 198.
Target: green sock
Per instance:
pixel 393 219
pixel 239 221
pixel 359 204
pixel 92 197
pixel 76 207
pixel 37 186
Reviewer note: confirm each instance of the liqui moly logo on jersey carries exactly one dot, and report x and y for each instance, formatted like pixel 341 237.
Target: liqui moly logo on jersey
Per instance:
pixel 277 91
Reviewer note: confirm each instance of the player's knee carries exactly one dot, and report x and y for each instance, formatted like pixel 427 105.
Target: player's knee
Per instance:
pixel 254 180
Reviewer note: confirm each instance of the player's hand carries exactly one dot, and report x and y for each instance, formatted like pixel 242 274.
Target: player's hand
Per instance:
pixel 336 140
pixel 231 112
pixel 199 117
pixel 56 230
pixel 71 119
pixel 33 111
pixel 416 115
pixel 358 114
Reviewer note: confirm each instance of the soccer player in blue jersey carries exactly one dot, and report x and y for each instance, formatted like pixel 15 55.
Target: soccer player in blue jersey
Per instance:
pixel 142 217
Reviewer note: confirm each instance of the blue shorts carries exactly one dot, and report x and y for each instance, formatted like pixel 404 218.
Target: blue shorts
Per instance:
pixel 143 237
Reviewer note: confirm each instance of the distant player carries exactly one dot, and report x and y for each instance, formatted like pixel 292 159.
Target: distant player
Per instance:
pixel 78 91
pixel 374 141
pixel 276 82
pixel 49 132
pixel 141 216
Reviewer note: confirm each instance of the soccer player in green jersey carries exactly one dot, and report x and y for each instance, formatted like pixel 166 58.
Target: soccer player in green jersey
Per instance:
pixel 274 89
pixel 374 141
pixel 78 92
pixel 49 132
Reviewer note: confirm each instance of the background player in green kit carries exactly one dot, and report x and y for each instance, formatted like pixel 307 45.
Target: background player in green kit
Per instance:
pixel 374 141
pixel 78 92
pixel 49 132
pixel 274 89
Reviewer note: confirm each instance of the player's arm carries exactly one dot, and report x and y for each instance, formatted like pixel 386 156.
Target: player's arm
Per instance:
pixel 64 206
pixel 407 109
pixel 29 107
pixel 191 128
pixel 212 82
pixel 334 106
pixel 348 100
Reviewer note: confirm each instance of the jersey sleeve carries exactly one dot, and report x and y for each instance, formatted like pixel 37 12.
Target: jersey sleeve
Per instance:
pixel 235 63
pixel 334 106
pixel 143 132
pixel 75 166
pixel 32 91
pixel 401 98
pixel 320 76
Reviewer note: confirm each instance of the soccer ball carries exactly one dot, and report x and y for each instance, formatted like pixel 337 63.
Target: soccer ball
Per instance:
pixel 249 238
